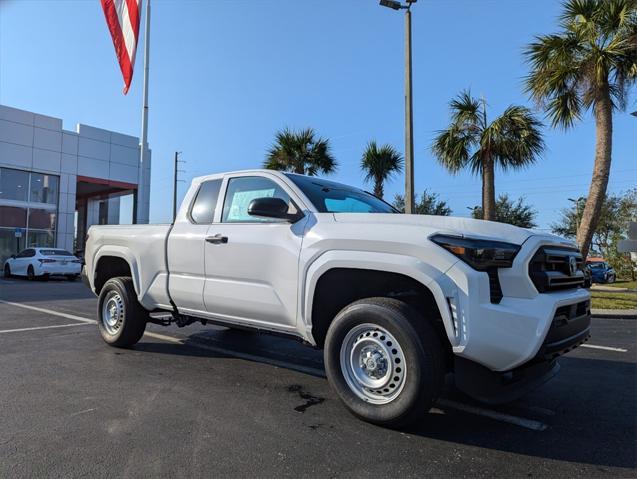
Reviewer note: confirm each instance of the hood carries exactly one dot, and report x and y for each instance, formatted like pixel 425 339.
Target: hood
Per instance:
pixel 452 225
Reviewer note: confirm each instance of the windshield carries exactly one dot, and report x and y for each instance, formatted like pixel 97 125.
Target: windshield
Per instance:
pixel 596 265
pixel 332 197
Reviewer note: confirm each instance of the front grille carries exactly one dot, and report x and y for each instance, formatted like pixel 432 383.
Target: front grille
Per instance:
pixel 550 269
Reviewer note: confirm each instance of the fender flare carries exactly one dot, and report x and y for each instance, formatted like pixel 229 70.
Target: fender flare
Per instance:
pixel 433 279
pixel 119 252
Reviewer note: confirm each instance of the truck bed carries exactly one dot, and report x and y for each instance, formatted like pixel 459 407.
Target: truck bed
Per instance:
pixel 144 247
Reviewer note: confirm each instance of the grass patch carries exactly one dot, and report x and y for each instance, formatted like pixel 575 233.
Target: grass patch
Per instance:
pixel 623 283
pixel 608 300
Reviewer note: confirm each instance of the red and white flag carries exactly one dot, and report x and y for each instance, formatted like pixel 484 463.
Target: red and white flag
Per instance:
pixel 122 17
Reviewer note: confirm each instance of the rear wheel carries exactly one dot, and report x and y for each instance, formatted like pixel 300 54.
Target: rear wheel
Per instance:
pixel 72 277
pixel 384 361
pixel 7 271
pixel 30 273
pixel 121 319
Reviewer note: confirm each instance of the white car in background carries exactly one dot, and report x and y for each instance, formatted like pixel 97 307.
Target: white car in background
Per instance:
pixel 43 263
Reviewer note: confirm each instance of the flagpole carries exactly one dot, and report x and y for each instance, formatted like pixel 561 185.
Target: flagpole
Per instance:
pixel 141 186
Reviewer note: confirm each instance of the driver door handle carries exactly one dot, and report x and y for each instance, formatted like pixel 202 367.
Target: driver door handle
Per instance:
pixel 217 239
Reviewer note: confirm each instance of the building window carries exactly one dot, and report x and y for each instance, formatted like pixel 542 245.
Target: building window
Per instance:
pixel 41 238
pixel 28 206
pixel 13 216
pixel 14 184
pixel 42 219
pixel 44 188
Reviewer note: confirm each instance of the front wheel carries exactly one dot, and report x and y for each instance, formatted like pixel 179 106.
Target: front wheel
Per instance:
pixel 121 319
pixel 7 271
pixel 384 361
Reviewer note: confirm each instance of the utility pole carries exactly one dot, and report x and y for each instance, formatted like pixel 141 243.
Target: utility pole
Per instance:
pixel 409 120
pixel 409 116
pixel 175 181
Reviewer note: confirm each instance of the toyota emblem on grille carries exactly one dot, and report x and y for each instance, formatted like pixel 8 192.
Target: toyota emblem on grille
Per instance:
pixel 572 265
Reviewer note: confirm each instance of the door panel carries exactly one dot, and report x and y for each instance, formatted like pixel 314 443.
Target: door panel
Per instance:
pixel 252 263
pixel 186 249
pixel 254 275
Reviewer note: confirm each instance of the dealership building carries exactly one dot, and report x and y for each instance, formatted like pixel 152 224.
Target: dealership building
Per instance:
pixel 55 183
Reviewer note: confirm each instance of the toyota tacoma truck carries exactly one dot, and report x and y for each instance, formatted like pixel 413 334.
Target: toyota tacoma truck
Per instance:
pixel 397 302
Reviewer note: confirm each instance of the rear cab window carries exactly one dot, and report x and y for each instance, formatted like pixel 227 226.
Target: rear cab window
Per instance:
pixel 203 208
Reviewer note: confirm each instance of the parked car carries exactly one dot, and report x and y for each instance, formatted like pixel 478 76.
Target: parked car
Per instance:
pixel 602 272
pixel 395 301
pixel 43 263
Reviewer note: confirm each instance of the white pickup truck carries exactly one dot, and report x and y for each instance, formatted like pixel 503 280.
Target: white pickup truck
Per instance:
pixel 396 301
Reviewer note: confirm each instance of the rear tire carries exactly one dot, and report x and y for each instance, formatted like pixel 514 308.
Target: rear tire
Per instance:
pixel 72 277
pixel 121 319
pixel 7 271
pixel 384 361
pixel 30 273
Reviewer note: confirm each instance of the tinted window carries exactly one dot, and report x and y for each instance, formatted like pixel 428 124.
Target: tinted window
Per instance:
pixel 27 253
pixel 55 252
pixel 203 209
pixel 241 191
pixel 332 197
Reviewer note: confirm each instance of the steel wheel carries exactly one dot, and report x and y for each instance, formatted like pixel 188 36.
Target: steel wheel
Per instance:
pixel 373 363
pixel 112 312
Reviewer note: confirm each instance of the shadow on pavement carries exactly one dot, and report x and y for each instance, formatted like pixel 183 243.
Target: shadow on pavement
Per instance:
pixel 595 420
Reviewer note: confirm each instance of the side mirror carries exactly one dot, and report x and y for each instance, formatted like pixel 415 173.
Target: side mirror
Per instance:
pixel 272 208
pixel 12 256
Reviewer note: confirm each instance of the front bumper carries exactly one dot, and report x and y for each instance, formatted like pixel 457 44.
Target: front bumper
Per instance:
pixel 507 335
pixel 570 328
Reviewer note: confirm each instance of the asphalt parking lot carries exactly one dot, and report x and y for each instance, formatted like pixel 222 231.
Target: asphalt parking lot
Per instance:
pixel 210 402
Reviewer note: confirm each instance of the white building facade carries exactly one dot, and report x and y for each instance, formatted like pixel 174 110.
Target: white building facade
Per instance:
pixel 55 183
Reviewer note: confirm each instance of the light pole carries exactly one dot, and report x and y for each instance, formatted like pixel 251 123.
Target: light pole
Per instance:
pixel 409 117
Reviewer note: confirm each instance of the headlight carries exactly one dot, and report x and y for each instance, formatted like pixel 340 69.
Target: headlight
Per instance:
pixel 479 254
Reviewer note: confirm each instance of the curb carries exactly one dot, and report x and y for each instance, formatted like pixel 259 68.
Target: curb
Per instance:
pixel 614 313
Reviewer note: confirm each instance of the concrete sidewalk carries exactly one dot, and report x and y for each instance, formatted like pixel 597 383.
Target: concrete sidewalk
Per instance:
pixel 615 313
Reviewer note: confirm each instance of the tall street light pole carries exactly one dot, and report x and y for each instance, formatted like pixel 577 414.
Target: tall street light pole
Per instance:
pixel 409 116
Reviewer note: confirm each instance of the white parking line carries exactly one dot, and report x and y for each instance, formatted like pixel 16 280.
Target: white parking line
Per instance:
pixel 49 311
pixel 498 416
pixel 4 331
pixel 605 348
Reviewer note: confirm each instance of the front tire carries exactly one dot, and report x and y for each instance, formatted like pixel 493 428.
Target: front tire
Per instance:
pixel 7 271
pixel 121 319
pixel 384 361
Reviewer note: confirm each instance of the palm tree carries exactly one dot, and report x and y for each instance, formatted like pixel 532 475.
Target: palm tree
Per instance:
pixel 589 64
pixel 379 164
pixel 300 152
pixel 511 141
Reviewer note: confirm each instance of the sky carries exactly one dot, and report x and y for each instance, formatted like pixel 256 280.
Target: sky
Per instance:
pixel 225 75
